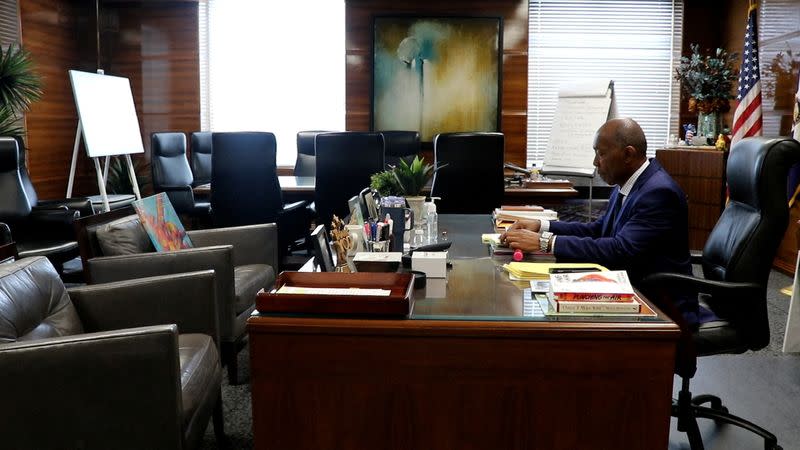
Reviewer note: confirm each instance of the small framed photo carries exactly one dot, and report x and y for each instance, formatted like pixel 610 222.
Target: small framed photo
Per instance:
pixel 322 249
pixel 356 216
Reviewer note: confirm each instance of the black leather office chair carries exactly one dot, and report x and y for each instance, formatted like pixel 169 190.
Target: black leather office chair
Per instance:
pixel 399 145
pixel 345 162
pixel 201 157
pixel 471 179
pixel 245 188
pixel 172 174
pixel 39 227
pixel 736 263
pixel 306 163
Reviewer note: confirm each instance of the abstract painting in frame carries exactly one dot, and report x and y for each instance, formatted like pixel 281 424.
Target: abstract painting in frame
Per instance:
pixel 436 74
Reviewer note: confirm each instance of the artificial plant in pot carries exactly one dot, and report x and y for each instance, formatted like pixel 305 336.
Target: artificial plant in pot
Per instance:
pixel 20 86
pixel 412 178
pixel 708 80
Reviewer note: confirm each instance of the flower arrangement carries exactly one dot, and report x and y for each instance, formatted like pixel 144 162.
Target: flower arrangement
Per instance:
pixel 708 79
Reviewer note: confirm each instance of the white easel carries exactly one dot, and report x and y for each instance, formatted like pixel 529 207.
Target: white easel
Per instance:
pixel 109 126
pixel 583 106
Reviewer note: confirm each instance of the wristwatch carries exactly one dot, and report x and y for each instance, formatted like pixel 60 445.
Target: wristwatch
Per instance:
pixel 544 241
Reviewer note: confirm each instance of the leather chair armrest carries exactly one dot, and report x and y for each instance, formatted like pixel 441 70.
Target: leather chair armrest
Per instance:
pixel 217 258
pixel 722 288
pixel 291 207
pixel 80 204
pixel 186 299
pixel 252 244
pixel 47 224
pixel 89 388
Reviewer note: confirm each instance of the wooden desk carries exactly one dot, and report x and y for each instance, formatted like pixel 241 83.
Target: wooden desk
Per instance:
pixel 289 184
pixel 476 369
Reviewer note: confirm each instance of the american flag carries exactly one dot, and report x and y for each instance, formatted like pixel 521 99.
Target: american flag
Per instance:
pixel 747 118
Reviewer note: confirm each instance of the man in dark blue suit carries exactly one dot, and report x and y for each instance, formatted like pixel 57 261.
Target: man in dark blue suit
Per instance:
pixel 645 227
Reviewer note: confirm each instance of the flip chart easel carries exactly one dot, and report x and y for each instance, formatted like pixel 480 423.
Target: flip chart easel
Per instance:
pixel 108 123
pixel 583 106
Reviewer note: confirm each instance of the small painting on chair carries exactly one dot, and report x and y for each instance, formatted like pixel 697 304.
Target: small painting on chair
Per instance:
pixel 436 74
pixel 161 222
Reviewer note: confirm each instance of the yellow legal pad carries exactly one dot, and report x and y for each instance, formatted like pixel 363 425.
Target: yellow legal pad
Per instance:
pixel 519 271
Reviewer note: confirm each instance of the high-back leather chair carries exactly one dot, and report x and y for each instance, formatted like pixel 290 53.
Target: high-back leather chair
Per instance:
pixel 399 144
pixel 89 362
pixel 736 263
pixel 470 179
pixel 201 157
pixel 345 162
pixel 245 188
pixel 306 163
pixel 172 174
pixel 40 228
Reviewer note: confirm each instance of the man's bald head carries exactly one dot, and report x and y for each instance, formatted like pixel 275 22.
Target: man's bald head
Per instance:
pixel 624 132
pixel 620 149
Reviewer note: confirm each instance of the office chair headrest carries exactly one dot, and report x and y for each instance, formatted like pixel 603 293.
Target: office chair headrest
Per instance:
pixel 168 144
pixel 201 142
pixel 9 154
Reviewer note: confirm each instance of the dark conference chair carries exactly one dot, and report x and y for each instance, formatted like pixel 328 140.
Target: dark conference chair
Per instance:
pixel 39 227
pixel 94 361
pixel 306 163
pixel 736 263
pixel 172 174
pixel 201 157
pixel 471 179
pixel 345 162
pixel 399 145
pixel 245 188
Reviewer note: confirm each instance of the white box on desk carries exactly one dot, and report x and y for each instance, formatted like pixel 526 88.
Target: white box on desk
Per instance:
pixel 434 264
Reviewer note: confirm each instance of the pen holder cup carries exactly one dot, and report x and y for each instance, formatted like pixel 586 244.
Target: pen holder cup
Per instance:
pixel 378 246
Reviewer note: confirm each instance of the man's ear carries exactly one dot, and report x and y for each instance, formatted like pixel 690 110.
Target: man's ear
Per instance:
pixel 630 153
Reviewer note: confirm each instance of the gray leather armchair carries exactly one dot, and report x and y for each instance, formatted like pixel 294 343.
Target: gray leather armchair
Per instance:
pixel 244 259
pixel 126 365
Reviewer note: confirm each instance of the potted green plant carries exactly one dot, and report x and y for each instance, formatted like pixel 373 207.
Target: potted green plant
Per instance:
pixel 385 183
pixel 406 179
pixel 708 80
pixel 19 87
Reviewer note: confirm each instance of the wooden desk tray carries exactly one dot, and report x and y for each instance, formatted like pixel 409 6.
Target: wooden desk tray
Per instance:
pixel 399 302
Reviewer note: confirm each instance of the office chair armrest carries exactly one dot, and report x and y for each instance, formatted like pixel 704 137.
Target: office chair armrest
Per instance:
pixel 187 300
pixel 96 386
pixel 80 204
pixel 46 224
pixel 728 289
pixel 252 244
pixel 295 206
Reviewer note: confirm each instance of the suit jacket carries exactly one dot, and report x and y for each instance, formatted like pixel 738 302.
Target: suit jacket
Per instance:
pixel 649 234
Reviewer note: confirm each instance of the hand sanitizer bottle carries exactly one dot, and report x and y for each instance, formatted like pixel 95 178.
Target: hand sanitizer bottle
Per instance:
pixel 432 221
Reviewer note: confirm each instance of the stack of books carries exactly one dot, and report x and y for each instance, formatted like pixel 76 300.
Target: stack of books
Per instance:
pixel 593 293
pixel 507 215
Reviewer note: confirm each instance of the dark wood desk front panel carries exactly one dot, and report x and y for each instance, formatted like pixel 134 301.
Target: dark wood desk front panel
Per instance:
pixel 406 384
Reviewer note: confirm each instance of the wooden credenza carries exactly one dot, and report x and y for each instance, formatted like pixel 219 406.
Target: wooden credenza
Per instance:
pixel 701 175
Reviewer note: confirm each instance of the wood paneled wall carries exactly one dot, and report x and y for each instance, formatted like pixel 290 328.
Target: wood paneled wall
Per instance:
pixel 358 48
pixel 154 44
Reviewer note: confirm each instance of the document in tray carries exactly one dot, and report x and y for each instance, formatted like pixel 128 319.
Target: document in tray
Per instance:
pixel 332 291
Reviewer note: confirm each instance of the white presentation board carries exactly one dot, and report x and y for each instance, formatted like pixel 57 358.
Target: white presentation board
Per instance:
pixel 107 114
pixel 582 108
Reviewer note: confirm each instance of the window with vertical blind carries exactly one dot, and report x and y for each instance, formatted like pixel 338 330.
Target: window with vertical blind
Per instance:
pixel 779 56
pixel 9 23
pixel 635 43
pixel 261 71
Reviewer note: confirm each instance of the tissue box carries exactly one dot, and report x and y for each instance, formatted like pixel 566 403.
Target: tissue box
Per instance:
pixel 377 261
pixel 434 264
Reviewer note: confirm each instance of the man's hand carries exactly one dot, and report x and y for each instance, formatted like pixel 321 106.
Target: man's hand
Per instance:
pixel 527 224
pixel 523 239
